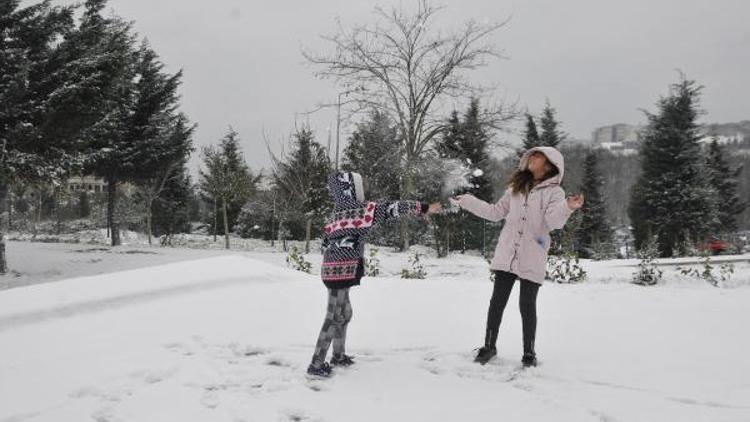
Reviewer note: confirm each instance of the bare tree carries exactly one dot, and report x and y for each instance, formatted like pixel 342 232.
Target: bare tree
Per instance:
pixel 400 66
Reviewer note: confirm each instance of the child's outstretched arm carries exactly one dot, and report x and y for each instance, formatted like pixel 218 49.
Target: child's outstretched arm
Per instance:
pixel 387 210
pixel 493 212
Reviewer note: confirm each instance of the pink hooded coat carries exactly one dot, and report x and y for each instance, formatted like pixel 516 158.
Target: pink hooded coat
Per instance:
pixel 524 240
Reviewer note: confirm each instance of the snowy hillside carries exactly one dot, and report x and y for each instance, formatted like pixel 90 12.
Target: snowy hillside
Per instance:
pixel 228 338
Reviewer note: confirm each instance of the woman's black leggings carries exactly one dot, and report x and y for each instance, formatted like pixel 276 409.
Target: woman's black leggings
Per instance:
pixel 527 303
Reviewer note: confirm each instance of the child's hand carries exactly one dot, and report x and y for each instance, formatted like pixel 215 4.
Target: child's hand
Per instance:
pixel 575 202
pixel 435 208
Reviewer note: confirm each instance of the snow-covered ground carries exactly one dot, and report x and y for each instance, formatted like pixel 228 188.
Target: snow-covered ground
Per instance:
pixel 227 337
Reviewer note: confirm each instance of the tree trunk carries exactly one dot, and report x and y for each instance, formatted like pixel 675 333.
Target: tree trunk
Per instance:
pixel 148 224
pixel 406 192
pixel 308 232
pixel 3 262
pixel 37 213
pixel 226 223
pixel 58 214
pixel 111 202
pixel 9 207
pixel 216 219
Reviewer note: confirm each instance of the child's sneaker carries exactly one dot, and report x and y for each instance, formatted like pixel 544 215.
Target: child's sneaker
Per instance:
pixel 342 360
pixel 319 369
pixel 485 354
pixel 528 360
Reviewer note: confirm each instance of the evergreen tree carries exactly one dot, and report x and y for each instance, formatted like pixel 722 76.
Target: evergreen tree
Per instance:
pixel 530 136
pixel 97 67
pixel 301 179
pixel 724 180
pixel 373 151
pixel 551 134
pixel 466 140
pixel 594 231
pixel 672 199
pixel 171 209
pixel 450 143
pixel 163 171
pixel 226 180
pixel 474 143
pixel 28 40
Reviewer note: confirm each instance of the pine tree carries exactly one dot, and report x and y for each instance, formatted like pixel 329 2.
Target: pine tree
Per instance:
pixel 225 180
pixel 594 230
pixel 724 180
pixel 562 241
pixel 28 40
pixel 301 180
pixel 163 171
pixel 551 134
pixel 96 67
pixel 450 143
pixel 466 140
pixel 530 136
pixel 672 198
pixel 474 143
pixel 171 209
pixel 373 151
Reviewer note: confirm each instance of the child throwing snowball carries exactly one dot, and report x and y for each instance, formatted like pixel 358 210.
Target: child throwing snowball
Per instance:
pixel 343 267
pixel 533 205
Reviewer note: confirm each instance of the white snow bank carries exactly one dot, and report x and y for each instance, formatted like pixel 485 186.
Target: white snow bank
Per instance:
pixel 229 338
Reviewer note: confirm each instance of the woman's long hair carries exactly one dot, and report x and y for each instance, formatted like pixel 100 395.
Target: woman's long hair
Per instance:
pixel 523 180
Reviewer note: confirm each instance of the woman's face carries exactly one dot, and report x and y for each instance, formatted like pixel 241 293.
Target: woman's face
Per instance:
pixel 538 164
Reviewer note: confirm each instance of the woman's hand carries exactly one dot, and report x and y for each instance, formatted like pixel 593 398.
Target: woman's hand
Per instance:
pixel 575 202
pixel 435 208
pixel 456 200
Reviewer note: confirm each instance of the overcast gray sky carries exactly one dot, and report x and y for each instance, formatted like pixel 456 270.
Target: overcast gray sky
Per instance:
pixel 597 61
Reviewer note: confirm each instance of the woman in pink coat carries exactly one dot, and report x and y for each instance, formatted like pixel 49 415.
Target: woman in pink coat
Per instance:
pixel 533 205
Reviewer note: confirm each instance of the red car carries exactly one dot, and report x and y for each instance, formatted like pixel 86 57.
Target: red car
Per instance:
pixel 716 246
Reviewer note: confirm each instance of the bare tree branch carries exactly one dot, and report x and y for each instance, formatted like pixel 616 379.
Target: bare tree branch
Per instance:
pixel 408 70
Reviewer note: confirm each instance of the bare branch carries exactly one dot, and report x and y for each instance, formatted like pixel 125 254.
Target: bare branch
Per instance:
pixel 407 69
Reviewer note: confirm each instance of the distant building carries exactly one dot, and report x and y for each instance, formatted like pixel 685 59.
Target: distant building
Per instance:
pixel 618 133
pixel 619 138
pixel 88 184
pixel 723 140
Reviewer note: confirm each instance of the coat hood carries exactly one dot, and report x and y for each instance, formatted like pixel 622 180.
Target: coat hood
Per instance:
pixel 346 190
pixel 553 155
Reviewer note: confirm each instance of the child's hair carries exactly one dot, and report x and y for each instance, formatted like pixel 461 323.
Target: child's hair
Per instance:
pixel 523 180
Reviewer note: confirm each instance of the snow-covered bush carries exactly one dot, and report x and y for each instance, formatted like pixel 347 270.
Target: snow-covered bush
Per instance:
pixel 648 274
pixel 372 263
pixel 726 270
pixel 565 269
pixel 416 270
pixel 297 261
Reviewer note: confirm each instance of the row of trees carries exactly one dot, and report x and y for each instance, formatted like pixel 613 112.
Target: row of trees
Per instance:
pixel 83 96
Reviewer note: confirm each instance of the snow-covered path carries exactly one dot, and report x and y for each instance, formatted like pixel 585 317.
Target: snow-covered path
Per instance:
pixel 228 339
